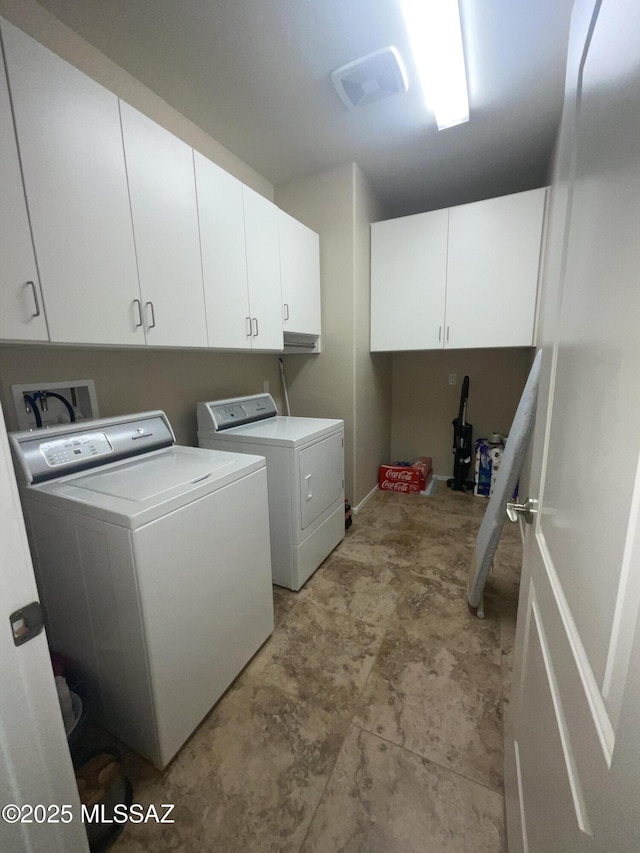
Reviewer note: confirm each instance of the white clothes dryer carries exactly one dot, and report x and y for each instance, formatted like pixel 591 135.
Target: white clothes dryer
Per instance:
pixel 305 471
pixel 153 566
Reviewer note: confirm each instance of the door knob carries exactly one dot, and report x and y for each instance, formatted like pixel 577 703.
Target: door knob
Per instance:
pixel 527 510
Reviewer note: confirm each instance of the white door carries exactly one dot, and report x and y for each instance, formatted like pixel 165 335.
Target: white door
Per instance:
pixel 35 766
pixel 162 190
pixel 263 271
pixel 492 271
pixel 321 467
pixel 70 143
pixel 22 312
pixel 409 281
pixel 224 255
pixel 299 276
pixel 572 766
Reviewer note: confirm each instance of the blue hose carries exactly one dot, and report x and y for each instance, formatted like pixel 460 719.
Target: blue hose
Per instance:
pixel 63 400
pixel 31 402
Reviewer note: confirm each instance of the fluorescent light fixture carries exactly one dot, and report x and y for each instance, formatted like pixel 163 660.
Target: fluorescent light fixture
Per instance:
pixel 436 42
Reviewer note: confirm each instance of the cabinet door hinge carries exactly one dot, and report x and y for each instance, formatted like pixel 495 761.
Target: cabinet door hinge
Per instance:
pixel 27 622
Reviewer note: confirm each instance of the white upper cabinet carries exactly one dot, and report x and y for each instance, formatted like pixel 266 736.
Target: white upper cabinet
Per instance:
pixel 263 270
pixel 492 273
pixel 21 307
pixel 465 277
pixel 165 223
pixel 224 257
pixel 299 276
pixel 240 261
pixel 138 239
pixel 70 142
pixel 408 281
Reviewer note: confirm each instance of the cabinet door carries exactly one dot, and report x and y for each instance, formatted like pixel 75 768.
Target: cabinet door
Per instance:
pixel 21 309
pixel 408 281
pixel 263 270
pixel 224 257
pixel 492 276
pixel 162 190
pixel 299 276
pixel 70 143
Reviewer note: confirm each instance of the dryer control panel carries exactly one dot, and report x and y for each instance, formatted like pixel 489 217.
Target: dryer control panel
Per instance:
pixel 224 414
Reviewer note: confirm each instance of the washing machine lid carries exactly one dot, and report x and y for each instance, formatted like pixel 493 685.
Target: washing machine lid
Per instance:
pixel 141 489
pixel 279 430
pixel 150 477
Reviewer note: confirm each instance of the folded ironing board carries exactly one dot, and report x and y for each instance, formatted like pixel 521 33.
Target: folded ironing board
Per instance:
pixel 506 479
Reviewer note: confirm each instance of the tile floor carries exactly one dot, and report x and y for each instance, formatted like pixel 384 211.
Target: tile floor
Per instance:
pixel 371 721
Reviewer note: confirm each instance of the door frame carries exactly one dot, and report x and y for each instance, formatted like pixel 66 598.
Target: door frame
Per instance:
pixel 35 764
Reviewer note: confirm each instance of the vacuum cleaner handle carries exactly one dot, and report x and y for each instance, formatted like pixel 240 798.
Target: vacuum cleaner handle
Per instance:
pixel 464 396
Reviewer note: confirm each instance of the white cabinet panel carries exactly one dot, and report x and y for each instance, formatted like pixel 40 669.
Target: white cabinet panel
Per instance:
pixel 408 281
pixel 21 308
pixel 70 143
pixel 224 261
pixel 165 223
pixel 492 274
pixel 299 276
pixel 263 270
pixel 465 277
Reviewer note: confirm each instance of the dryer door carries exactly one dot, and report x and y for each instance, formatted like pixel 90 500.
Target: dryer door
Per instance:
pixel 321 477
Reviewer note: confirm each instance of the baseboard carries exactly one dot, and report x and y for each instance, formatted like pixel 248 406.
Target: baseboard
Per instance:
pixel 356 509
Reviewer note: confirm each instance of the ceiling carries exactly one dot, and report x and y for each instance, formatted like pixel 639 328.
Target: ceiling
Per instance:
pixel 254 74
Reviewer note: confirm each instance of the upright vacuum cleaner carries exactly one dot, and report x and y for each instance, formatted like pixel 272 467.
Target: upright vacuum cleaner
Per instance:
pixel 462 445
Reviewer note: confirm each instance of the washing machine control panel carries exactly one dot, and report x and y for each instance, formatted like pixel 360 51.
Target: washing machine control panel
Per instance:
pixel 51 453
pixel 74 449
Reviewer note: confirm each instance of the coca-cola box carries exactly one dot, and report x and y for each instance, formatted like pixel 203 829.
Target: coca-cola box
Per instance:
pixel 406 478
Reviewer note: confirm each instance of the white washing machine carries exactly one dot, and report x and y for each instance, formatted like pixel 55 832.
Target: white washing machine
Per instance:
pixel 305 467
pixel 153 565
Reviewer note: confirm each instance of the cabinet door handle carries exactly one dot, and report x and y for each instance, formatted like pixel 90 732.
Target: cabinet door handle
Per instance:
pixel 33 287
pixel 152 324
pixel 255 334
pixel 286 311
pixel 447 334
pixel 248 321
pixel 309 492
pixel 138 304
pixel 439 333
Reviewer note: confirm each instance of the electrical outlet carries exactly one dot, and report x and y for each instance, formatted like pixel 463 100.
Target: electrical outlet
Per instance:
pixel 453 378
pixel 265 386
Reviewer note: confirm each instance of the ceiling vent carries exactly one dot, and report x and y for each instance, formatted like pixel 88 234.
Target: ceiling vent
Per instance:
pixel 375 76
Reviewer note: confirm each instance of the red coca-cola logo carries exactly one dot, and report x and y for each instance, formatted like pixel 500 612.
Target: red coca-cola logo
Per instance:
pixel 399 475
pixel 395 486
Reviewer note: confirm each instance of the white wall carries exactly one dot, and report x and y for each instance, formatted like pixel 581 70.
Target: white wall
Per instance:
pixel 322 385
pixel 372 370
pixel 135 379
pixel 344 381
pixel 49 31
pixel 129 380
pixel 424 404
